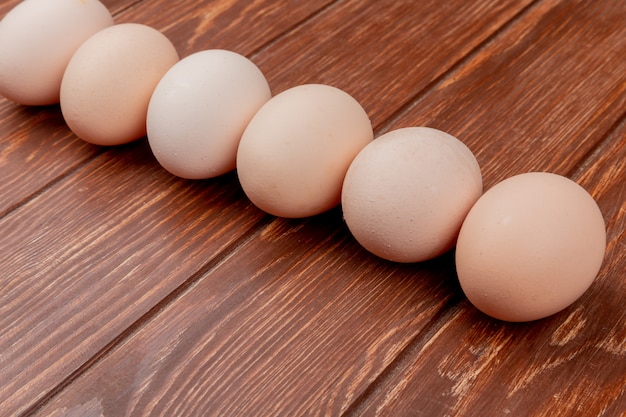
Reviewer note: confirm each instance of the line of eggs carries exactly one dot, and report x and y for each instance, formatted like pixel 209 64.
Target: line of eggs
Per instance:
pixel 525 249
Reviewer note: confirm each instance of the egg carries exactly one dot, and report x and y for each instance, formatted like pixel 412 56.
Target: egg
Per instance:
pixel 37 40
pixel 530 247
pixel 200 109
pixel 295 152
pixel 407 193
pixel 108 82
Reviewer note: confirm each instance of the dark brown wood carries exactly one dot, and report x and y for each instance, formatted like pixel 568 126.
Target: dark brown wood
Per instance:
pixel 384 53
pixel 240 26
pixel 540 95
pixel 126 291
pixel 83 261
pixel 280 328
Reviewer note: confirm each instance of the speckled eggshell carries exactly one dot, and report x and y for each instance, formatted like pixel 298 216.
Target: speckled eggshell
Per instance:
pixel 406 194
pixel 294 154
pixel 37 40
pixel 200 109
pixel 108 82
pixel 530 247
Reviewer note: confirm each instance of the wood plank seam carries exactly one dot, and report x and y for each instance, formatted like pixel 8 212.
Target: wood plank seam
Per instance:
pixel 126 8
pixel 439 321
pixel 154 312
pixel 262 48
pixel 603 142
pixel 418 341
pixel 388 123
pixel 52 183
pixel 407 355
pixel 70 173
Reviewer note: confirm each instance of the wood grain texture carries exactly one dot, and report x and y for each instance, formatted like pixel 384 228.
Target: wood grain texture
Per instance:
pixel 36 150
pixel 384 53
pixel 82 262
pixel 76 237
pixel 240 26
pixel 539 96
pixel 280 328
pixel 575 362
pixel 570 364
pixel 126 291
pixel 120 314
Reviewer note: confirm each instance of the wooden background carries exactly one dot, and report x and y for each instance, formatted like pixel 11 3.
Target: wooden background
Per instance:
pixel 125 291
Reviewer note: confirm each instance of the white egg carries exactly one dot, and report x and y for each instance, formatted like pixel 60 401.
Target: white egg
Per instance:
pixel 37 40
pixel 407 193
pixel 200 109
pixel 296 150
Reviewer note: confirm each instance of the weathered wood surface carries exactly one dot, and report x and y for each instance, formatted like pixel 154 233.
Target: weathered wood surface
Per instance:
pixel 126 291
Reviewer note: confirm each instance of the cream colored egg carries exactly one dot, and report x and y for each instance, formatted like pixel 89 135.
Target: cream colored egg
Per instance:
pixel 407 193
pixel 530 247
pixel 37 40
pixel 294 154
pixel 200 109
pixel 108 82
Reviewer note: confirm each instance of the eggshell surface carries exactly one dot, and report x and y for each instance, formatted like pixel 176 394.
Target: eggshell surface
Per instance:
pixel 295 152
pixel 530 247
pixel 108 82
pixel 406 194
pixel 37 40
pixel 200 109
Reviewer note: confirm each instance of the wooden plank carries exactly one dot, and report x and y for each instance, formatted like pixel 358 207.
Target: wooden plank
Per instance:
pixel 290 323
pixel 571 94
pixel 240 26
pixel 384 53
pixel 297 322
pixel 35 150
pixel 233 355
pixel 573 363
pixel 84 261
pixel 92 318
pixel 539 96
